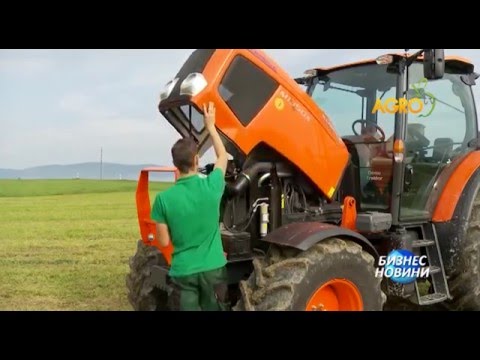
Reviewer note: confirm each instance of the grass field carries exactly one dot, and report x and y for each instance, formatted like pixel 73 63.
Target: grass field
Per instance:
pixel 65 244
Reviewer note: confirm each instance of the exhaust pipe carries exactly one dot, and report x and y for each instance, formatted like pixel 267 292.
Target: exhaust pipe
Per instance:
pixel 275 200
pixel 250 175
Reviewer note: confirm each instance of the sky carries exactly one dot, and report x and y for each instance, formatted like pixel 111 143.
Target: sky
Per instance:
pixel 63 106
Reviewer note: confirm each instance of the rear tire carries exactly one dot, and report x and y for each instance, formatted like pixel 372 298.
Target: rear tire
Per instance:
pixel 287 278
pixel 142 295
pixel 464 282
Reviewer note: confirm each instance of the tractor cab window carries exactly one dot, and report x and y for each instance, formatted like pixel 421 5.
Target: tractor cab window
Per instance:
pixel 342 104
pixel 348 97
pixel 246 89
pixel 439 128
pixel 385 119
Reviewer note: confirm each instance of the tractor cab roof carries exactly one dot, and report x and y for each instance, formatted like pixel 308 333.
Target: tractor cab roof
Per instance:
pixel 458 63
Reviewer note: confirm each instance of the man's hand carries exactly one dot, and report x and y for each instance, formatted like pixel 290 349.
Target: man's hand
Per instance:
pixel 209 116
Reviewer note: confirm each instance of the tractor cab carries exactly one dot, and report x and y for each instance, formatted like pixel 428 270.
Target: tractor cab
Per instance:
pixel 397 123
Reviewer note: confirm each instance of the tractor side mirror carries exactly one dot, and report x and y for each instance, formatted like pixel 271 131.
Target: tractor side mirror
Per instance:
pixel 434 64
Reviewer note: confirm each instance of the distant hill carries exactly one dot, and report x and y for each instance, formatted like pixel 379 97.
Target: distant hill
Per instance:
pixel 83 171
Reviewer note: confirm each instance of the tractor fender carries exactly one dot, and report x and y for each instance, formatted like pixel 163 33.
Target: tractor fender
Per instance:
pixel 455 180
pixel 303 235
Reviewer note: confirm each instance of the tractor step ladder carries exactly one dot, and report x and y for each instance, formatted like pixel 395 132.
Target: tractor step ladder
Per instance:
pixel 437 271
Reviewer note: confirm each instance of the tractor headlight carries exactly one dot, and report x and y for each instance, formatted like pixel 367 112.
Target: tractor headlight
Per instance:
pixel 310 73
pixel 193 84
pixel 168 89
pixel 384 59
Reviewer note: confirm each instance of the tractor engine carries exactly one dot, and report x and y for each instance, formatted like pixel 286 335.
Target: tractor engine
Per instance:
pixel 263 195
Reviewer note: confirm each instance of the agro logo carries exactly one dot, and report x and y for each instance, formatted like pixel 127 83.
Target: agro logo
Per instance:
pixel 414 105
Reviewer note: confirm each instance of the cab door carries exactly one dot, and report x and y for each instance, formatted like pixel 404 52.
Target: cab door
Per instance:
pixel 435 136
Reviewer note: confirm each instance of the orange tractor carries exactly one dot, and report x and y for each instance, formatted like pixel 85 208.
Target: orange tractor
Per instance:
pixel 330 174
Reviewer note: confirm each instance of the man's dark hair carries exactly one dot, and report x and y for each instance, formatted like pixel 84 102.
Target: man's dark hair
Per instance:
pixel 183 154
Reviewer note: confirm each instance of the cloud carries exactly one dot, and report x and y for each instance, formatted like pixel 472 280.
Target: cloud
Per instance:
pixel 61 106
pixel 75 102
pixel 124 140
pixel 21 66
pixel 84 107
pixel 158 73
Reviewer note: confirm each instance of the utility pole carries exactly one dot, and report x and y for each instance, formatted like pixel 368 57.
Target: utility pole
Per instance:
pixel 101 163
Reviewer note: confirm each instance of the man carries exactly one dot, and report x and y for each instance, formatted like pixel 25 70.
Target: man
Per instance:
pixel 187 214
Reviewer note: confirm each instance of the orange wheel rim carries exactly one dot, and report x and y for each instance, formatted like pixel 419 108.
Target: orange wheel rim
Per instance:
pixel 336 295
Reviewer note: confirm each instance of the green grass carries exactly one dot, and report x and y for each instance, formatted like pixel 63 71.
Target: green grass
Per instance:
pixel 66 252
pixel 64 187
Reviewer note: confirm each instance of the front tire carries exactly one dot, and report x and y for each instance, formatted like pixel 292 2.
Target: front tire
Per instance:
pixel 335 274
pixel 142 295
pixel 464 282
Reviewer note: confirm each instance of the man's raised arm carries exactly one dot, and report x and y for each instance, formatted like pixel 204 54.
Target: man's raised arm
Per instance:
pixel 220 151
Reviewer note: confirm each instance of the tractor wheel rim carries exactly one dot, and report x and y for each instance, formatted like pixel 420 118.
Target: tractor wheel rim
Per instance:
pixel 336 295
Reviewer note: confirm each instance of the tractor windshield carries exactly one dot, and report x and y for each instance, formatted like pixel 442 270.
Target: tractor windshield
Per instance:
pixel 350 94
pixel 348 97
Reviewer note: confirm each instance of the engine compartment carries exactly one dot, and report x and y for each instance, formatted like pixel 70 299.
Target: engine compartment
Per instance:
pixel 263 192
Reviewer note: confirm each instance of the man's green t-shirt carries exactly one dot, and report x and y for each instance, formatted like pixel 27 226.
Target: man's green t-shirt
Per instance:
pixel 191 210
